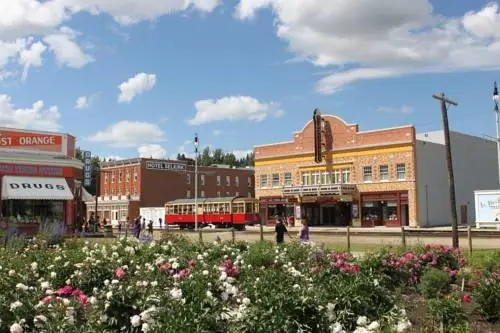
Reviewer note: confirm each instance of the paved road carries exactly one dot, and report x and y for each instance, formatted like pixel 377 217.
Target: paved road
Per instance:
pixel 358 240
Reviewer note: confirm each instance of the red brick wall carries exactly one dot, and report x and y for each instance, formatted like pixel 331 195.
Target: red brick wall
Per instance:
pixel 344 137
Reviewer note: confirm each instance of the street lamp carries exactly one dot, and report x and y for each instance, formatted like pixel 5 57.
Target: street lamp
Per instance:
pixel 196 144
pixel 496 99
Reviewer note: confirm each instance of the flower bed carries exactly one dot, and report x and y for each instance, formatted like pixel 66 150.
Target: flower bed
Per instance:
pixel 177 286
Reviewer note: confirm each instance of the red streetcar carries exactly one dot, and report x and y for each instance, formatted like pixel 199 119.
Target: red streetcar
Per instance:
pixel 220 212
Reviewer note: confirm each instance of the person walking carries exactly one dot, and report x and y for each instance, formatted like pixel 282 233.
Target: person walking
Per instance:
pixel 280 230
pixel 304 232
pixel 161 222
pixel 150 227
pixel 137 227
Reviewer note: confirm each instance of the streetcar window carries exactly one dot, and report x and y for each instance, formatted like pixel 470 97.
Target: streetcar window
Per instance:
pixel 238 208
pixel 176 209
pixel 248 208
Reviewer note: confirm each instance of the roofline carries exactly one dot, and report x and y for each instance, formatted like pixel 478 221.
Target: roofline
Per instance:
pixel 34 131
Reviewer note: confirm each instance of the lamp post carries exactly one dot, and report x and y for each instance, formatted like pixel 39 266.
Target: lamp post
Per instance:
pixel 196 144
pixel 496 99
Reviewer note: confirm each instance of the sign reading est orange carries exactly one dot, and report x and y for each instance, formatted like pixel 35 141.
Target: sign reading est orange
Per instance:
pixel 30 141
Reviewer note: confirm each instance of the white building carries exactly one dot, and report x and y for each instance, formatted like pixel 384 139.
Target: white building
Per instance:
pixel 475 167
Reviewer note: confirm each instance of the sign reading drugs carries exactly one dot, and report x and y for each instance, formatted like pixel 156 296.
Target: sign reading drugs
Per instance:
pixel 87 168
pixel 161 165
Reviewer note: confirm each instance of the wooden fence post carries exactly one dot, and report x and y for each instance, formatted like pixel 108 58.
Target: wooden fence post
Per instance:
pixel 200 234
pixel 348 234
pixel 469 238
pixel 233 235
pixel 261 232
pixel 403 237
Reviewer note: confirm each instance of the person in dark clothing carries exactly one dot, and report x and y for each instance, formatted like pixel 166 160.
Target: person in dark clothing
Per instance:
pixel 280 230
pixel 137 227
pixel 161 222
pixel 150 227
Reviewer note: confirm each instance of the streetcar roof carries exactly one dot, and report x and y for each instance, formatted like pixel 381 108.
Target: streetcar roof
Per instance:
pixel 200 200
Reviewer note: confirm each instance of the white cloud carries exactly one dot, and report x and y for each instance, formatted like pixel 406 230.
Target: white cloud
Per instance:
pixel 21 18
pixel 405 109
pixel 382 39
pixel 10 50
pixel 66 50
pixel 234 108
pixel 217 132
pixel 84 102
pixel 129 134
pixel 135 86
pixel 37 117
pixel 128 12
pixel 152 151
pixel 31 57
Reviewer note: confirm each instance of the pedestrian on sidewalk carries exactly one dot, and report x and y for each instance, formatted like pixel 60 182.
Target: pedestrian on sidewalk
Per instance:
pixel 304 232
pixel 280 230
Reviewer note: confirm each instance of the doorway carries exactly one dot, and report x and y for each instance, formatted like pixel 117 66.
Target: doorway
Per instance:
pixel 404 215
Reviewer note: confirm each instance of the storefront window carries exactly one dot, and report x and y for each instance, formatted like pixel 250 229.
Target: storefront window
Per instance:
pixel 33 211
pixel 279 210
pixel 379 211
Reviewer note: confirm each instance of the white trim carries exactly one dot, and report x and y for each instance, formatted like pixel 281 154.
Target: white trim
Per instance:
pixel 36 160
pixel 387 129
pixel 276 143
pixel 325 116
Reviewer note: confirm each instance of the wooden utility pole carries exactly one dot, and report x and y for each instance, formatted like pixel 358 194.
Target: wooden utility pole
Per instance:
pixel 451 179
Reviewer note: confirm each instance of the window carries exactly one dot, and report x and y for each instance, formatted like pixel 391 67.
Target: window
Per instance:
pixel 401 171
pixel 128 176
pixel 237 194
pixel 135 175
pixel 188 194
pixel 249 181
pixel 336 176
pixel 202 194
pixel 106 178
pixel 120 176
pixel 237 180
pixel 315 178
pixel 288 178
pixel 276 179
pixel 367 174
pixel 325 178
pixel 227 194
pixel 218 180
pixel 112 178
pixel 202 180
pixel 263 181
pixel 188 178
pixel 384 172
pixel 306 178
pixel 346 176
pixel 249 194
pixel 228 181
pixel 218 194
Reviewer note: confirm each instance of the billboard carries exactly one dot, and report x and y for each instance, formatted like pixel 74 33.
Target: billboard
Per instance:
pixel 22 140
pixel 487 207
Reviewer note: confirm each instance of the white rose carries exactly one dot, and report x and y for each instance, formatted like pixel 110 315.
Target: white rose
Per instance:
pixel 45 285
pixel 92 300
pixel 145 327
pixel 21 286
pixel 362 321
pixel 53 274
pixel 205 272
pixel 246 301
pixel 16 328
pixel 12 272
pixel 175 265
pixel 135 321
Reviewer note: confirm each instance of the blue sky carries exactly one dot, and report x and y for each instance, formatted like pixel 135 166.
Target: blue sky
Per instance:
pixel 241 73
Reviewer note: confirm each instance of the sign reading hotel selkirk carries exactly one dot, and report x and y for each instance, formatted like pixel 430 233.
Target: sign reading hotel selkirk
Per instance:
pixel 161 165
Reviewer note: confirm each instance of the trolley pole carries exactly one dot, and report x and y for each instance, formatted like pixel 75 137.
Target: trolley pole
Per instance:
pixel 196 143
pixel 451 179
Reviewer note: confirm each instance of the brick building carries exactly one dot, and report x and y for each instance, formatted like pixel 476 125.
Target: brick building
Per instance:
pixel 388 177
pixel 128 185
pixel 366 177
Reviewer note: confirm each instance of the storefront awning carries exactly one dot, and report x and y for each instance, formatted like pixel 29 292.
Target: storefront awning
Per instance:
pixel 35 188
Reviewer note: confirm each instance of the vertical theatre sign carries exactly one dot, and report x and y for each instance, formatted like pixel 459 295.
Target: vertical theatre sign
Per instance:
pixel 87 168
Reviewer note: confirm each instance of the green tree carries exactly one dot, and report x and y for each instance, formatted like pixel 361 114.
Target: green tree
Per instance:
pixel 206 157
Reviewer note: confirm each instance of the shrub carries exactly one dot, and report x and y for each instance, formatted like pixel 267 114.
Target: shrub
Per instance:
pixel 447 312
pixel 434 283
pixel 487 295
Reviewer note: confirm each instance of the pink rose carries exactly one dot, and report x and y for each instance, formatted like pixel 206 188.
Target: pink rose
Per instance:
pixel 120 273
